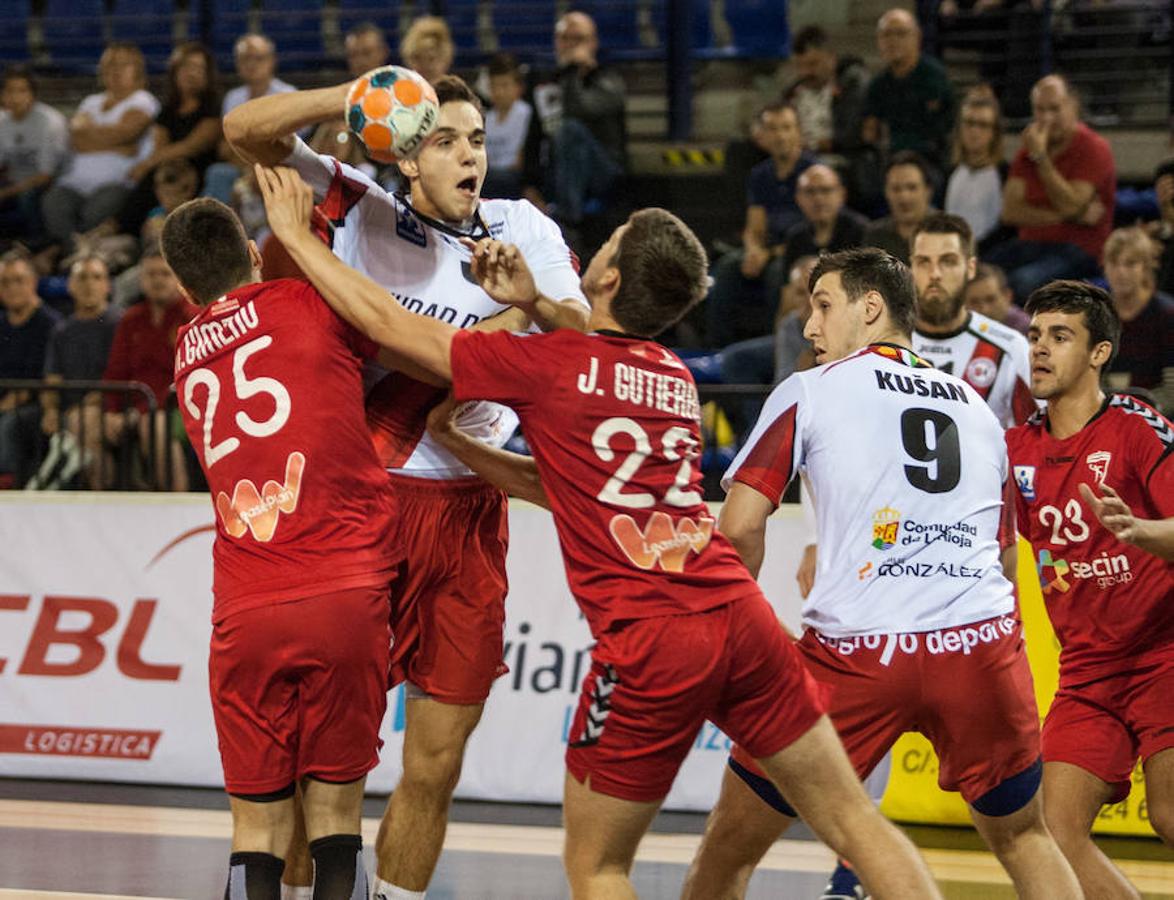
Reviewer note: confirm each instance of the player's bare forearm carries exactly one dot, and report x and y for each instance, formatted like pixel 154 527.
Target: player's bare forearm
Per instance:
pixel 289 203
pixel 1155 536
pixel 262 130
pixel 512 319
pixel 513 473
pixel 554 314
pixel 1009 558
pixel 743 522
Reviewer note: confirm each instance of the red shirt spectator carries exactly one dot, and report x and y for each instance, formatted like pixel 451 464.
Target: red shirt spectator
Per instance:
pixel 144 349
pixel 1087 158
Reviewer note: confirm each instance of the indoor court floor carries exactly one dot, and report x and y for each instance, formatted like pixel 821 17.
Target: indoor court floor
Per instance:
pixel 81 841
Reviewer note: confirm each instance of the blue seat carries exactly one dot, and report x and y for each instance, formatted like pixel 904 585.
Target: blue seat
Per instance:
pixel 295 26
pixel 760 28
pixel 73 33
pixel 461 17
pixel 356 12
pixel 525 29
pixel 229 19
pixel 14 36
pixel 149 24
pixel 618 28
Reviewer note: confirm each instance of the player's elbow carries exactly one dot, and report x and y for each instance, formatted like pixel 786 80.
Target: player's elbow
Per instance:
pixel 251 140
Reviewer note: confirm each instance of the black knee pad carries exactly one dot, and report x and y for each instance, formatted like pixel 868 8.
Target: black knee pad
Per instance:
pixel 1012 794
pixel 254 876
pixel 764 788
pixel 338 868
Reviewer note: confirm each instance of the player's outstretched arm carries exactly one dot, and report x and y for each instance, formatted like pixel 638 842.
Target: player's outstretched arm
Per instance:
pixel 743 522
pixel 515 474
pixel 289 202
pixel 502 272
pixel 262 130
pixel 1155 536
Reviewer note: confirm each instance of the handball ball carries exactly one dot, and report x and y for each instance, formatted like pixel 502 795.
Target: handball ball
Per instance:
pixel 391 110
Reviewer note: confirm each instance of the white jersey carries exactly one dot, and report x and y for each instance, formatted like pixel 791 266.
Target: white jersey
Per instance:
pixel 908 470
pixel 991 358
pixel 428 272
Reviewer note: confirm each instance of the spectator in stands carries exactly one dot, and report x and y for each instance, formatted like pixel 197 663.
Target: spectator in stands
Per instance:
pixel 974 190
pixel 24 337
pixel 1060 194
pixel 827 224
pixel 989 294
pixel 366 49
pixel 507 124
pixel 144 350
pixel 747 283
pixel 78 350
pixel 427 47
pixel 256 64
pixel 908 190
pixel 175 181
pixel 1145 356
pixel 584 130
pixel 1164 232
pixel 109 133
pixel 910 105
pixel 187 127
pixel 829 94
pixel 34 143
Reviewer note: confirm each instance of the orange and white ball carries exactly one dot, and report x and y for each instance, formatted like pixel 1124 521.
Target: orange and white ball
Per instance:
pixel 391 110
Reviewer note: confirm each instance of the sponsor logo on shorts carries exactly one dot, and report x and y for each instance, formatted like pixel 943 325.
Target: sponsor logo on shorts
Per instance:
pixel 258 511
pixel 663 542
pixel 961 639
pixel 66 740
pixel 1098 462
pixel 1025 481
pixel 886 523
pixel 1105 570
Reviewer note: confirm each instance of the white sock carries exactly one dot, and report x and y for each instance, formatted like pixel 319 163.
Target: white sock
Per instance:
pixel 296 892
pixel 381 890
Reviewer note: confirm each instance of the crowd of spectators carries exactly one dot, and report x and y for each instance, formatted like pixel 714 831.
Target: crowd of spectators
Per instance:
pixel 841 158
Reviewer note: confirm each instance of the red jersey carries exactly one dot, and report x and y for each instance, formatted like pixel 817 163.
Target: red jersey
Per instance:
pixel 269 381
pixel 613 422
pixel 143 351
pixel 1111 604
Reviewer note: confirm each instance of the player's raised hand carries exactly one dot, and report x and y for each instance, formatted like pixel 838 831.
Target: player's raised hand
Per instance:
pixel 289 201
pixel 1112 512
pixel 502 272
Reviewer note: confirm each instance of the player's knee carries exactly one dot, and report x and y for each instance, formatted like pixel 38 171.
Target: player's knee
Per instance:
pixel 435 772
pixel 1012 794
pixel 1161 814
pixel 261 824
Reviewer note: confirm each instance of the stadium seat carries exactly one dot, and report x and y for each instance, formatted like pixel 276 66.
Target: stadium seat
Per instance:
pixel 150 24
pixel 295 26
pixel 356 12
pixel 525 29
pixel 74 33
pixel 619 33
pixel 461 16
pixel 228 20
pixel 760 28
pixel 14 37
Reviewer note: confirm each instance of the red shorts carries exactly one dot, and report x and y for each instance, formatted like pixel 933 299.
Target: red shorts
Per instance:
pixel 300 689
pixel 448 603
pixel 967 689
pixel 653 682
pixel 1105 725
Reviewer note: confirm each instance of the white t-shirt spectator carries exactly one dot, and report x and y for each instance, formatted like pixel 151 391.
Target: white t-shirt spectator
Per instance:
pixel 38 144
pixel 977 196
pixel 89 171
pixel 505 137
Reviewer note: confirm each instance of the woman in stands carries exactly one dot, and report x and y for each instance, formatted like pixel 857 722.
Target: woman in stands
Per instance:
pixel 975 188
pixel 187 127
pixel 109 133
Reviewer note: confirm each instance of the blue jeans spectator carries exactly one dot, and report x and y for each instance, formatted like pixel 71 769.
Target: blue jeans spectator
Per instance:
pixel 583 170
pixel 1031 264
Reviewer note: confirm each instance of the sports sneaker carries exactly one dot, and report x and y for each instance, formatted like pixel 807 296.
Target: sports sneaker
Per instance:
pixel 843 885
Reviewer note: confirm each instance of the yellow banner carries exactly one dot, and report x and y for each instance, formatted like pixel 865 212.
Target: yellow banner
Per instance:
pixel 913 794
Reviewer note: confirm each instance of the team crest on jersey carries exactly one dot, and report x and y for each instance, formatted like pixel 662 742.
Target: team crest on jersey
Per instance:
pixel 1099 463
pixel 409 227
pixel 886 524
pixel 1059 569
pixel 1025 481
pixel 258 511
pixel 981 372
pixel 662 542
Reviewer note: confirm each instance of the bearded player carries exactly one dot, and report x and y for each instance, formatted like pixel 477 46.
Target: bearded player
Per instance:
pixel 449 607
pixel 1095 477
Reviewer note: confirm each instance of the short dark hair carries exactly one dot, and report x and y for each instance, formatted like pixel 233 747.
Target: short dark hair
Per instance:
pixel 945 223
pixel 775 106
pixel 1094 304
pixel 810 38
pixel 1165 167
pixel 990 270
pixel 504 64
pixel 367 27
pixel 910 158
pixel 19 73
pixel 662 269
pixel 865 269
pixel 173 170
pixel 206 246
pixel 454 89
